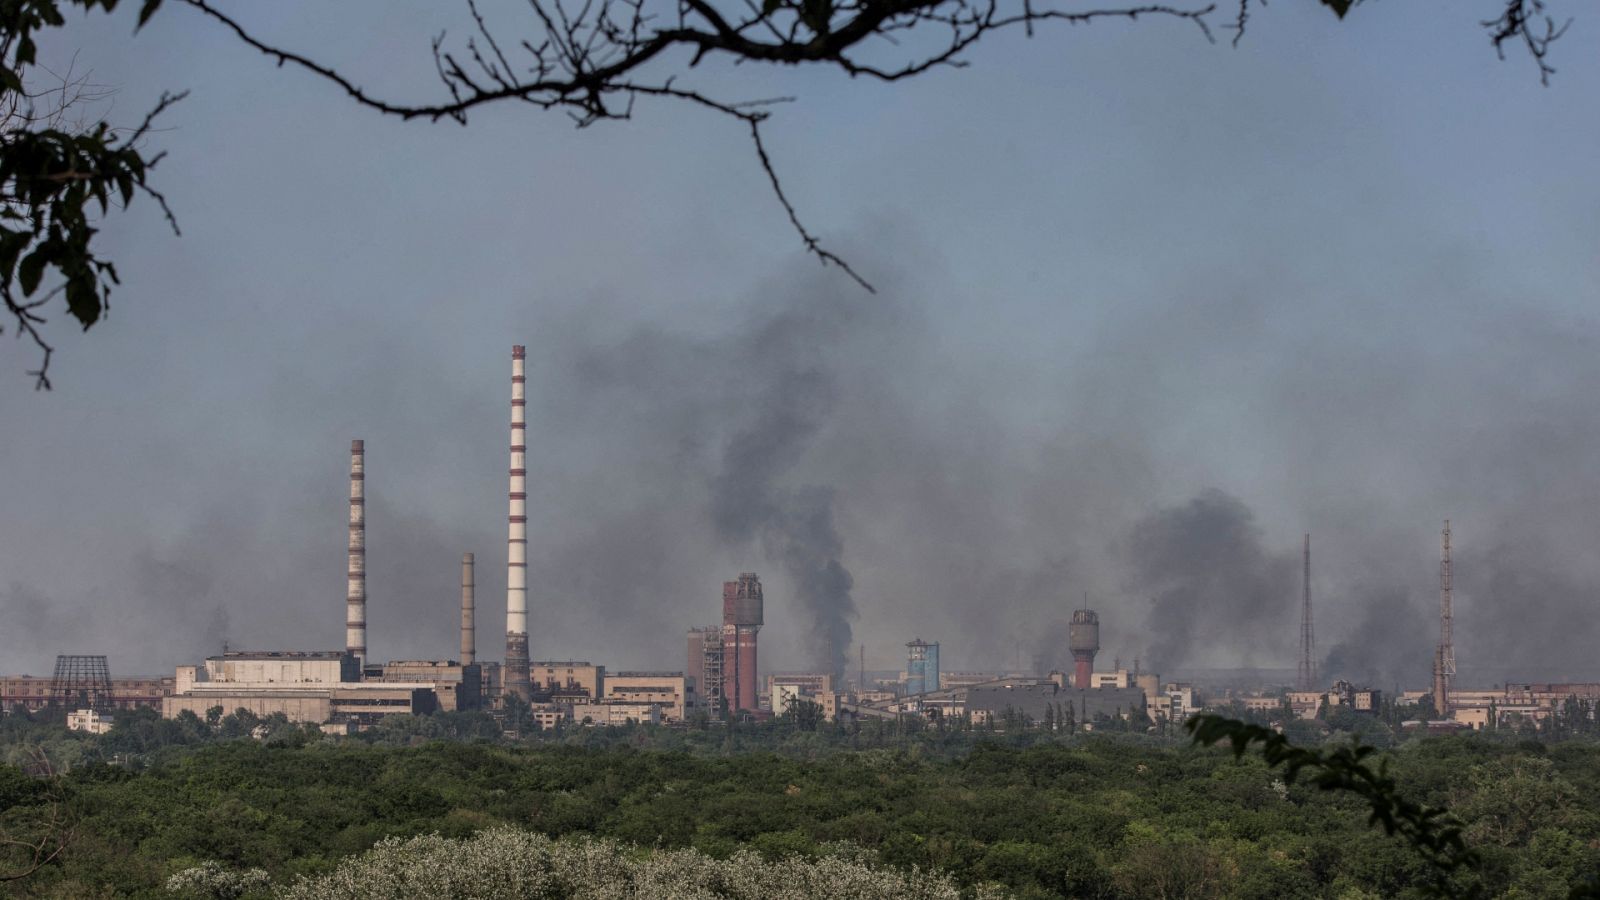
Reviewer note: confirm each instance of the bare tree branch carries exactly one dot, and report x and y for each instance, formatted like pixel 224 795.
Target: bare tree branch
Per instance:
pixel 38 838
pixel 595 60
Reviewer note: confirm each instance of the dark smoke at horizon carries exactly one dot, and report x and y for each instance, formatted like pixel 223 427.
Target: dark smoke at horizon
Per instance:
pixel 1211 581
pixel 794 525
pixel 900 490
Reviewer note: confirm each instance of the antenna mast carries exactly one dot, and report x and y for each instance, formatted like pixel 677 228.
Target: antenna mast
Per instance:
pixel 1308 641
pixel 1444 661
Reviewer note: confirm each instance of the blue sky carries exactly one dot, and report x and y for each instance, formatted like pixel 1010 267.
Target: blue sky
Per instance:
pixel 1343 274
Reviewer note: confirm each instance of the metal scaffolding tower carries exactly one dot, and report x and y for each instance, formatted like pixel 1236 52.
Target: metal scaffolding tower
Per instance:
pixel 1444 659
pixel 81 682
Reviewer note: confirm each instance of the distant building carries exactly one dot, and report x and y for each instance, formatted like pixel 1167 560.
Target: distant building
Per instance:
pixel 1042 699
pixel 613 712
pixel 1261 704
pixel 305 686
pixel 704 667
pixel 32 692
pixel 457 687
pixel 89 720
pixel 965 679
pixel 567 681
pixel 816 687
pixel 672 691
pixel 1120 678
pixel 922 667
pixel 1177 702
pixel 548 716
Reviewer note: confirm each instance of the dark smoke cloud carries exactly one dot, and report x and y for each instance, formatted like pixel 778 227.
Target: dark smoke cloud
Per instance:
pixel 1390 644
pixel 887 488
pixel 794 524
pixel 1216 591
pixel 739 414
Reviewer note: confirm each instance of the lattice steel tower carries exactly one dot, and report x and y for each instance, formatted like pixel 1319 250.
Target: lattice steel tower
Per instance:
pixel 81 682
pixel 1308 639
pixel 1444 659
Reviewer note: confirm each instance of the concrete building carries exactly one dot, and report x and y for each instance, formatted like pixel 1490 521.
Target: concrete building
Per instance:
pixel 1178 701
pixel 1261 704
pixel 1305 704
pixel 490 673
pixel 704 666
pixel 1119 678
pixel 672 691
pixel 274 667
pixel 566 681
pixel 548 716
pixel 1038 699
pixel 363 703
pixel 965 679
pixel 612 712
pixel 89 720
pixel 456 686
pixel 305 686
pixel 32 692
pixel 922 667
pixel 817 687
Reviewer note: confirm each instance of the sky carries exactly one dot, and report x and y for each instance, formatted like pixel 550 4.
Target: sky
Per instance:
pixel 1150 309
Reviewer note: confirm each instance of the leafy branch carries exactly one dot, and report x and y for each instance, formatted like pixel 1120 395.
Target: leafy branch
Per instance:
pixel 1429 830
pixel 58 179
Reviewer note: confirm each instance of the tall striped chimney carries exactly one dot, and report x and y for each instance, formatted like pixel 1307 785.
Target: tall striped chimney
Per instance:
pixel 469 625
pixel 516 672
pixel 355 616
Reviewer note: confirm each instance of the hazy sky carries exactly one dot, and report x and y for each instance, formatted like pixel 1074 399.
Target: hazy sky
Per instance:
pixel 1150 309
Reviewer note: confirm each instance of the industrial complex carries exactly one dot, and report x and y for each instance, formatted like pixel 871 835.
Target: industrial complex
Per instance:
pixel 343 690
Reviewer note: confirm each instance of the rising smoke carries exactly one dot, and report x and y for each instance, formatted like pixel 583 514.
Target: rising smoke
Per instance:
pixel 886 487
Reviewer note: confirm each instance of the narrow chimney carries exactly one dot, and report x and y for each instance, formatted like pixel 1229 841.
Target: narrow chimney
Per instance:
pixel 516 672
pixel 355 620
pixel 469 641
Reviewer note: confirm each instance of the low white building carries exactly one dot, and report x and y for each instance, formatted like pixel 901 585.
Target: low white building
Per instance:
pixel 611 712
pixel 89 720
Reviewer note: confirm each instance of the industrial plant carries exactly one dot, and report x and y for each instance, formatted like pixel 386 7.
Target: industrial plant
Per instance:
pixel 344 690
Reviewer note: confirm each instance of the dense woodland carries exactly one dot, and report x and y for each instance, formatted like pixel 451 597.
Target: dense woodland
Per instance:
pixel 1026 813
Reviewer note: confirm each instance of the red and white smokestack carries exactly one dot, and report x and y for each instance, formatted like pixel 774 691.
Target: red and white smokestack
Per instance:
pixel 469 624
pixel 516 673
pixel 355 618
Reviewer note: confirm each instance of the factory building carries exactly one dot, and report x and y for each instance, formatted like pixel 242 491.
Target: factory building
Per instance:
pixel 32 692
pixel 305 686
pixel 1042 699
pixel 965 679
pixel 566 681
pixel 704 666
pixel 616 713
pixel 742 616
pixel 673 692
pixel 816 687
pixel 922 667
pixel 457 687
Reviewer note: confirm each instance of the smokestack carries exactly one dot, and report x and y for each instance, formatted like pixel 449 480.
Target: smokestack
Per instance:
pixel 469 625
pixel 516 673
pixel 1083 638
pixel 355 617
